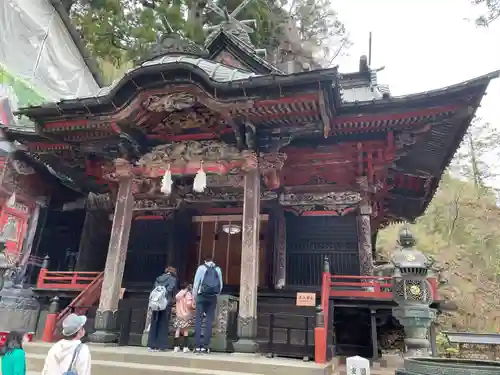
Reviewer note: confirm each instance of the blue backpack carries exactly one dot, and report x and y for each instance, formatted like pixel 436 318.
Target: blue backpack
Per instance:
pixel 210 285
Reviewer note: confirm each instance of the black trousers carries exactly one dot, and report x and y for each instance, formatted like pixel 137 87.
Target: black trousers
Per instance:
pixel 158 332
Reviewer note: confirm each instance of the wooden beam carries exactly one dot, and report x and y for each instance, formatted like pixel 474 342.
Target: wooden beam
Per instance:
pixel 218 218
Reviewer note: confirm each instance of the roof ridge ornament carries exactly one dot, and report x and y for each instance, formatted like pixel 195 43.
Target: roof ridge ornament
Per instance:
pixel 172 43
pixel 231 25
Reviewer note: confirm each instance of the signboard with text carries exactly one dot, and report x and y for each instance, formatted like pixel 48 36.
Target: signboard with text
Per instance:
pixel 306 299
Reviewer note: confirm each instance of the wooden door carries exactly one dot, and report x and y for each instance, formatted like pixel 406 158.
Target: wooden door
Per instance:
pixel 225 249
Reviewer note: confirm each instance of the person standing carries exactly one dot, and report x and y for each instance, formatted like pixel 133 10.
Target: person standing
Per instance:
pixel 184 307
pixel 207 286
pixel 161 300
pixel 69 355
pixel 14 358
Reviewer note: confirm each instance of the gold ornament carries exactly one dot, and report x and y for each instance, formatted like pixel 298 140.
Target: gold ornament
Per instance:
pixel 410 258
pixel 415 290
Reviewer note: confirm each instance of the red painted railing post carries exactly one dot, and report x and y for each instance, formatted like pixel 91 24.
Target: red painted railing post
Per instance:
pixel 41 278
pixel 320 337
pixel 51 320
pixel 434 287
pixel 321 330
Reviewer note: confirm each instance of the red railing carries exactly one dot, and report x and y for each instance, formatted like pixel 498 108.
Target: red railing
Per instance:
pixel 369 287
pixel 79 305
pixel 65 280
pixel 87 297
pixel 373 287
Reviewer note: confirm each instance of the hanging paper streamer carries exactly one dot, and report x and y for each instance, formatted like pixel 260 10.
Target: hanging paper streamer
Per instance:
pixel 200 180
pixel 12 200
pixel 166 182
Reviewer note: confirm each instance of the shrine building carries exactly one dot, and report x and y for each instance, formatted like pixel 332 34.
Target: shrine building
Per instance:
pixel 273 170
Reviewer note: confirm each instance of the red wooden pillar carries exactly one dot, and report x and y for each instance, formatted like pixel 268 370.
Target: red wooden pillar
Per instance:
pixel 51 320
pixel 321 329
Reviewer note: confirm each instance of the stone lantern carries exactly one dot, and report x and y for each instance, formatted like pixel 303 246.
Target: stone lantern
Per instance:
pixel 413 294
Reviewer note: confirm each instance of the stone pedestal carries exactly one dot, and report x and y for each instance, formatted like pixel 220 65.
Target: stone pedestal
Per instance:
pixel 225 324
pixel 416 321
pixel 19 309
pixel 247 312
pixel 105 321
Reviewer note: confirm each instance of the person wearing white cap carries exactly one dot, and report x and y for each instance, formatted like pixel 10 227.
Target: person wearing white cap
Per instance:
pixel 69 355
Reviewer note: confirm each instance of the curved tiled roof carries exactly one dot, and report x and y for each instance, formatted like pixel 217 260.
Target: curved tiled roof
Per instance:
pixel 216 71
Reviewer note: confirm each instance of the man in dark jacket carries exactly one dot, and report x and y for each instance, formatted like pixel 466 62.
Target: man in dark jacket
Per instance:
pixel 160 319
pixel 207 286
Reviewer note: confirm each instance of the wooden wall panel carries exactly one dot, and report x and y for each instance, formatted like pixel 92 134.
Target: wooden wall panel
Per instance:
pixel 226 250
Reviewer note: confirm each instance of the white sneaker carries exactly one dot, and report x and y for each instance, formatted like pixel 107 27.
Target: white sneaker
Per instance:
pixel 177 349
pixel 185 350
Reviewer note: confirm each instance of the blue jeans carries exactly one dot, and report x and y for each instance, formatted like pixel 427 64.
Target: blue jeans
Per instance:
pixel 204 305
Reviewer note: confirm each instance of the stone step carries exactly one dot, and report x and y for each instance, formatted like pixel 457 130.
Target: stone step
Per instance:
pixel 106 356
pixel 34 363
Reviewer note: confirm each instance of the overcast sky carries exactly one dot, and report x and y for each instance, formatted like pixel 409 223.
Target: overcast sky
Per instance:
pixel 424 45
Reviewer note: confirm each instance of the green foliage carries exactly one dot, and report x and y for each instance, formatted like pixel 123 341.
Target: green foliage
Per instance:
pixel 473 159
pixel 444 347
pixel 460 230
pixel 119 31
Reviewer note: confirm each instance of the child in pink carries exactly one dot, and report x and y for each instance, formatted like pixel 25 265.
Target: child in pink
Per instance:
pixel 184 308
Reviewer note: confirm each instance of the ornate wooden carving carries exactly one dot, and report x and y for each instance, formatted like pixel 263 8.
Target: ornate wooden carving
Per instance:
pixel 365 242
pixel 26 184
pixel 320 210
pixel 211 195
pixel 231 180
pixel 250 250
pixel 228 59
pixel 182 152
pixel 155 204
pixel 280 248
pixel 169 103
pixel 21 167
pixel 269 165
pixel 328 199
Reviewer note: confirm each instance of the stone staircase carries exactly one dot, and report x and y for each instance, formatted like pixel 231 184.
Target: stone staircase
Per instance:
pixel 122 360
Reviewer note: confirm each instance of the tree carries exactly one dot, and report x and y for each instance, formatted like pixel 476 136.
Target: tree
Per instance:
pixel 119 31
pixel 492 11
pixel 319 27
pixel 473 160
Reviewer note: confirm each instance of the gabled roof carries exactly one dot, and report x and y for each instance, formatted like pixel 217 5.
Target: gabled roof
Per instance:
pixel 241 50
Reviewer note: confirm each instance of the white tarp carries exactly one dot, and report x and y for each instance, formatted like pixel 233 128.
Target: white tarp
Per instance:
pixel 37 49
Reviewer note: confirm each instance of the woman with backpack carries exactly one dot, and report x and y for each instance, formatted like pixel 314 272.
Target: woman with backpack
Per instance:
pixel 161 300
pixel 14 358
